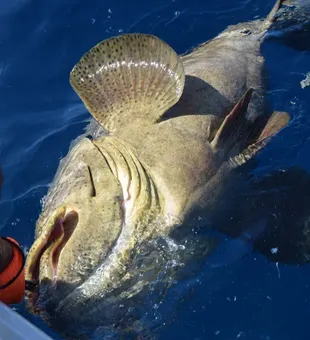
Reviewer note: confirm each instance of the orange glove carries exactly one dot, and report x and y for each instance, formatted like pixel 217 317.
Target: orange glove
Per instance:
pixel 12 279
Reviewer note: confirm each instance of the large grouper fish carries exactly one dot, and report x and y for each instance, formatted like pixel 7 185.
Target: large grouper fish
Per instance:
pixel 171 132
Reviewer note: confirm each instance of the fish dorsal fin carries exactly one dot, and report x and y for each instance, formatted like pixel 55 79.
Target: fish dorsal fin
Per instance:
pixel 132 77
pixel 232 126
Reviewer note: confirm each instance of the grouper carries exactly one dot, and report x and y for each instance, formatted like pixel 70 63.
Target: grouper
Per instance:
pixel 170 133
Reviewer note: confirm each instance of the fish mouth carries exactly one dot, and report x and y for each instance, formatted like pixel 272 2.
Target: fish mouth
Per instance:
pixel 47 249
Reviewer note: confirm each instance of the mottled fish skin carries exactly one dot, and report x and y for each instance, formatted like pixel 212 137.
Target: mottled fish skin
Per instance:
pixel 170 132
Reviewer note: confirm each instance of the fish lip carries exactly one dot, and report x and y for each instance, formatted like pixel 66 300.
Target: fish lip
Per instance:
pixel 53 241
pixel 68 225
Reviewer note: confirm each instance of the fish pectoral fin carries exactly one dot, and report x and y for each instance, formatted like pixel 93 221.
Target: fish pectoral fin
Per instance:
pixel 132 77
pixel 236 129
pixel 277 121
pixel 233 125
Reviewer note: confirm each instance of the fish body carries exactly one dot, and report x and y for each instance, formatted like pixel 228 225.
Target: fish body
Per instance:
pixel 170 132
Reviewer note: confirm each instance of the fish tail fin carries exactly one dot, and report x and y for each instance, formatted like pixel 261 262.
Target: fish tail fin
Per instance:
pixel 286 18
pixel 271 17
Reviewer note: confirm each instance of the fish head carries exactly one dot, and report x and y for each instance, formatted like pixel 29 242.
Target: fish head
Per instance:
pixel 81 218
pixel 98 246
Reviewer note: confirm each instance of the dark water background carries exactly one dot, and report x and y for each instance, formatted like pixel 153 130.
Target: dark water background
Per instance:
pixel 40 115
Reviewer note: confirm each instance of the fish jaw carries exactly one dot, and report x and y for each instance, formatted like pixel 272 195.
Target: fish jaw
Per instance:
pixel 43 257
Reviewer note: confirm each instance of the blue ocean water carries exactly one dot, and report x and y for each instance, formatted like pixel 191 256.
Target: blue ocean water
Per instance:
pixel 40 41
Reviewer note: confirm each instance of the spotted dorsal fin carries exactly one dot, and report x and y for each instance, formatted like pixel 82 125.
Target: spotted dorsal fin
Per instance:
pixel 132 77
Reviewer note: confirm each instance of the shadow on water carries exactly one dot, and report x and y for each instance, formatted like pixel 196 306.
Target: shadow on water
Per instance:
pixel 295 40
pixel 283 199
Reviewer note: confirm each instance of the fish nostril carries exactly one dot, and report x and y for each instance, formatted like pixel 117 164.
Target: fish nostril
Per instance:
pixel 93 194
